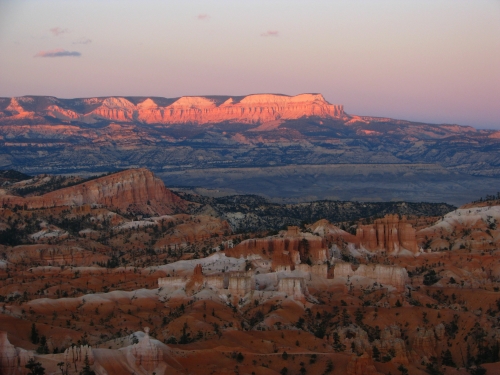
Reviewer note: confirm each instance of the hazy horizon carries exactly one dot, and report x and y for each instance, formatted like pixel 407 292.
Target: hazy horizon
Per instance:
pixel 427 61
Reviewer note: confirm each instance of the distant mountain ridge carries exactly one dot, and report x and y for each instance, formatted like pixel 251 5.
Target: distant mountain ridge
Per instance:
pixel 254 109
pixel 254 144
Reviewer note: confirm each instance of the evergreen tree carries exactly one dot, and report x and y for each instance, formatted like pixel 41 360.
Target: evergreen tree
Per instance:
pixel 337 345
pixel 35 368
pixel 86 370
pixel 43 348
pixel 34 337
pixel 376 353
pixel 447 359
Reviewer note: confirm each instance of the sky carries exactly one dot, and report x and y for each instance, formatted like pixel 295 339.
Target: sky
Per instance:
pixel 434 61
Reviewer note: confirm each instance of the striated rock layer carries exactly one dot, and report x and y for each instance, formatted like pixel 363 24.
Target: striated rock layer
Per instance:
pixel 251 109
pixel 12 359
pixel 388 233
pixel 287 249
pixel 362 365
pixel 382 274
pixel 135 190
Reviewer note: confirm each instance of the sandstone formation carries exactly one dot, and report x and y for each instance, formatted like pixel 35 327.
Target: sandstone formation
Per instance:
pixel 194 229
pixel 257 108
pixel 293 286
pixel 53 255
pixel 12 359
pixel 424 342
pixel 146 354
pixel 362 365
pixel 286 249
pixel 382 274
pixel 391 341
pixel 388 234
pixel 332 233
pixel 78 354
pixel 135 190
pixel 239 285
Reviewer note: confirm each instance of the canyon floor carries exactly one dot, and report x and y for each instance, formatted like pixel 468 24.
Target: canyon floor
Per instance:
pixel 119 275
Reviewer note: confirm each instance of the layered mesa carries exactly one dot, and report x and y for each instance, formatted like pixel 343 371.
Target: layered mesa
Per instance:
pixel 250 109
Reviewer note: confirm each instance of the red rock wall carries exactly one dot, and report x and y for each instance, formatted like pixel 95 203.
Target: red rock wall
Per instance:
pixel 389 233
pixel 132 190
pixel 250 109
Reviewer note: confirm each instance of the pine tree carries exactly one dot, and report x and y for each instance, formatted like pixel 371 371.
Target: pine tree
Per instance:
pixel 35 368
pixel 447 359
pixel 376 353
pixel 86 370
pixel 34 337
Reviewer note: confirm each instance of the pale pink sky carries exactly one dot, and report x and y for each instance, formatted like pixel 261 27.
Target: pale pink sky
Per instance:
pixel 426 60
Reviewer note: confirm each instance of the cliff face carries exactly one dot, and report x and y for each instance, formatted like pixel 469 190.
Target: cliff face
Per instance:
pixel 287 249
pixel 135 190
pixel 252 109
pixel 293 286
pixel 146 354
pixel 382 274
pixel 388 233
pixel 362 365
pixel 12 359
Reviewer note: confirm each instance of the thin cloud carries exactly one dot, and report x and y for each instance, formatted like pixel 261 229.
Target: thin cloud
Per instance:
pixel 82 41
pixel 56 31
pixel 58 53
pixel 270 33
pixel 203 17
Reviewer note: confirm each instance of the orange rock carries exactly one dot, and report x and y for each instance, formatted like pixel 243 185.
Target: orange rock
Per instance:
pixel 382 274
pixel 130 190
pixel 287 249
pixel 251 109
pixel 362 365
pixel 12 359
pixel 388 233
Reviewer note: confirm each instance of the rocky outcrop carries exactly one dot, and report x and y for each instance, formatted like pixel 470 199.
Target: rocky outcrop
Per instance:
pixel 214 282
pixel 320 270
pixel 53 255
pixel 78 354
pixel 12 359
pixel 259 108
pixel 389 234
pixel 332 233
pixel 362 365
pixel 134 190
pixel 239 285
pixel 424 342
pixel 382 274
pixel 194 229
pixel 391 342
pixel 172 282
pixel 294 287
pixel 288 248
pixel 146 354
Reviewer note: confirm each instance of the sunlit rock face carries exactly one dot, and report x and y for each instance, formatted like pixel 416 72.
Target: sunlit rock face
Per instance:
pixel 252 109
pixel 133 189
